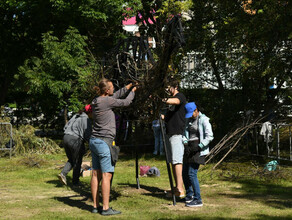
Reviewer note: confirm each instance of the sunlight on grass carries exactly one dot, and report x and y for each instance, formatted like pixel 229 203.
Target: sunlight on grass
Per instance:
pixel 33 191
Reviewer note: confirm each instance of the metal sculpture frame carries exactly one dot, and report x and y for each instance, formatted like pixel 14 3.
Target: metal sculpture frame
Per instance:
pixel 132 59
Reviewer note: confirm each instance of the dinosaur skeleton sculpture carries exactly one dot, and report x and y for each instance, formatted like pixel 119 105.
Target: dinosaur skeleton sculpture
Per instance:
pixel 132 59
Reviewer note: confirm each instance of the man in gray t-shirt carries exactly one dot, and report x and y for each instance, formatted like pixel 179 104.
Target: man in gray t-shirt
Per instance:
pixel 101 141
pixel 103 115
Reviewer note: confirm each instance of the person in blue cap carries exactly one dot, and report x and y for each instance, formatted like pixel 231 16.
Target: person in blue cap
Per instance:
pixel 198 135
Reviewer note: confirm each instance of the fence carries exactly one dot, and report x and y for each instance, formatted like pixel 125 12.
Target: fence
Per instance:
pixel 6 139
pixel 271 140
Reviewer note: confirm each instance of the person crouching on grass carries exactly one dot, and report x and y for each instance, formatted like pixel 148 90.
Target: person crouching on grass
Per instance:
pixel 198 135
pixel 76 132
pixel 102 139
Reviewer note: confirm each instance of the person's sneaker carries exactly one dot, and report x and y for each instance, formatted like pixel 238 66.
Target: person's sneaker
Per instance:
pixel 97 210
pixel 110 211
pixel 194 203
pixel 187 199
pixel 62 178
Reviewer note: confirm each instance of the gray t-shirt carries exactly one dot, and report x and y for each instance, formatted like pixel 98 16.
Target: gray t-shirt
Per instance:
pixel 104 123
pixel 193 128
pixel 79 126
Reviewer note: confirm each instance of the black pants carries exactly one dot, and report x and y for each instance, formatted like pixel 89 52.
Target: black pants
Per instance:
pixel 74 148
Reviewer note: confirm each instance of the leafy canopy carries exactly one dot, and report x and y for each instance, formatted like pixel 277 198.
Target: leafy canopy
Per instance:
pixel 62 77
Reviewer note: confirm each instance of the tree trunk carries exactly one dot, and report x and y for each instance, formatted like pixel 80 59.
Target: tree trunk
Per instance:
pixel 3 90
pixel 212 59
pixel 65 115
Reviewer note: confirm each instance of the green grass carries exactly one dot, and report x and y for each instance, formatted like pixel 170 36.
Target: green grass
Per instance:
pixel 30 189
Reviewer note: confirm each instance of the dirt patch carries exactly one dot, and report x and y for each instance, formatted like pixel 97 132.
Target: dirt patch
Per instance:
pixel 131 190
pixel 22 213
pixel 212 185
pixel 32 162
pixel 180 206
pixel 61 209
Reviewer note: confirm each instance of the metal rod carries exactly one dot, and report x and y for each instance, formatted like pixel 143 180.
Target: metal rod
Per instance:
pixel 278 142
pixel 136 158
pixel 267 143
pixel 290 142
pixel 167 160
pixel 257 143
pixel 11 140
pixel 137 166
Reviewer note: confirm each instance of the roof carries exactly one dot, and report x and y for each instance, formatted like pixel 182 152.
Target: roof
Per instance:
pixel 132 20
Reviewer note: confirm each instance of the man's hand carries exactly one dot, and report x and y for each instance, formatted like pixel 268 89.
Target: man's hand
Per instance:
pixel 132 86
pixel 129 86
pixel 164 100
pixel 135 86
pixel 171 101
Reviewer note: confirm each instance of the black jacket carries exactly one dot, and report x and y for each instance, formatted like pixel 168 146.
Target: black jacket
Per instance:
pixel 192 153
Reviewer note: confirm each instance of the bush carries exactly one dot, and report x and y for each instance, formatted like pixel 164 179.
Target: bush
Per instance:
pixel 26 142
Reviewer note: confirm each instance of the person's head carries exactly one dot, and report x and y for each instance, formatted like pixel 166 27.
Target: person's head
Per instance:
pixel 105 87
pixel 173 87
pixel 191 110
pixel 87 109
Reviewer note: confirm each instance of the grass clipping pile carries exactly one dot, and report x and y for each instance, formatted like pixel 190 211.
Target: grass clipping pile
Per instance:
pixel 240 171
pixel 26 142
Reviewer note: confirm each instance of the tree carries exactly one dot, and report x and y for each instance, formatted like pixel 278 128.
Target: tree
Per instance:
pixel 23 23
pixel 62 77
pixel 244 46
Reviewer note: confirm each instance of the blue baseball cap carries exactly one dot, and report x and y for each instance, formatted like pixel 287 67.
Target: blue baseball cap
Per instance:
pixel 190 108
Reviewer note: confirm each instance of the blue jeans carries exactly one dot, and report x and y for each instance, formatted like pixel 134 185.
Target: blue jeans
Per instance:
pixel 158 147
pixel 191 181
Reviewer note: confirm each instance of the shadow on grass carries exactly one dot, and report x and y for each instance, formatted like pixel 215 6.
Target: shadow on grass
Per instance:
pixel 267 217
pixel 148 190
pixel 145 156
pixel 276 196
pixel 206 218
pixel 80 200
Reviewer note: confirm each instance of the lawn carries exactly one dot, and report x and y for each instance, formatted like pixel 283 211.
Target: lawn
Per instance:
pixel 30 189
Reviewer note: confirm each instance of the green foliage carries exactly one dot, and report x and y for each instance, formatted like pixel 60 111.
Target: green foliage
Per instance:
pixel 174 7
pixel 63 76
pixel 241 47
pixel 246 48
pixel 23 24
